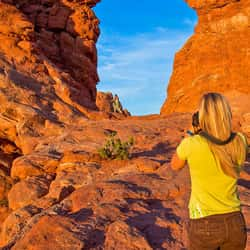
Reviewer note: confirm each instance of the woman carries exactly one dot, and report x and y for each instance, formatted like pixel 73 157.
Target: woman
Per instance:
pixel 215 156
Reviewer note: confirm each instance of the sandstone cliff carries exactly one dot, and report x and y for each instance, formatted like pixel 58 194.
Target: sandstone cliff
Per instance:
pixel 48 66
pixel 48 47
pixel 215 58
pixel 105 103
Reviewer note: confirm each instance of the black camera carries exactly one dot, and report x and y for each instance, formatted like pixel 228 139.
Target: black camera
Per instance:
pixel 195 119
pixel 195 123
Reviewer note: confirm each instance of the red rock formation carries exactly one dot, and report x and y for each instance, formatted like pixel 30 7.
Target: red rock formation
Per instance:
pixel 87 199
pixel 122 236
pixel 51 43
pixel 48 66
pixel 69 197
pixel 48 78
pixel 104 103
pixel 55 190
pixel 215 58
pixel 28 190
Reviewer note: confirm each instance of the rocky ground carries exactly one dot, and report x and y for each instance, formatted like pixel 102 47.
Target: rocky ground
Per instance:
pixel 56 192
pixel 63 196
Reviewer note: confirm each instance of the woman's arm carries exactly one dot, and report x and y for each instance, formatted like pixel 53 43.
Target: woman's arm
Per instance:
pixel 177 163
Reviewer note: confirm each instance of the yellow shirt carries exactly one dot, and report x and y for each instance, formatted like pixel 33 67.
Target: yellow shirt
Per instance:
pixel 212 191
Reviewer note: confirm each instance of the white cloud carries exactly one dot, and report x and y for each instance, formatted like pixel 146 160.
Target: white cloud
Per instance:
pixel 138 67
pixel 190 22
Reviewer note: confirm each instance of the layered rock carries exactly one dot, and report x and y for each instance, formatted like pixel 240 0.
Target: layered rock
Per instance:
pixel 85 202
pixel 56 192
pixel 48 54
pixel 48 76
pixel 66 197
pixel 48 67
pixel 105 103
pixel 215 58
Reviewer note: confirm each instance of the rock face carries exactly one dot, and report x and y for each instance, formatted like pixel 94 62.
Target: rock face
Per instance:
pixel 48 67
pixel 104 103
pixel 215 58
pixel 48 76
pixel 49 47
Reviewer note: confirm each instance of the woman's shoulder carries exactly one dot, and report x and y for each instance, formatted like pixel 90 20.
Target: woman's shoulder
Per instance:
pixel 191 144
pixel 194 140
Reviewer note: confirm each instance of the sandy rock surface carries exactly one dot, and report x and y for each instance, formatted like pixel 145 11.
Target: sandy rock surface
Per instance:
pixel 86 202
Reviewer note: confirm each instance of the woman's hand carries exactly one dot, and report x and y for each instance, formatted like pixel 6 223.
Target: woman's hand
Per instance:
pixel 176 162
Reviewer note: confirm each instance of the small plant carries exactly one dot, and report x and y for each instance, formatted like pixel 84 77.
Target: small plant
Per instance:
pixel 115 148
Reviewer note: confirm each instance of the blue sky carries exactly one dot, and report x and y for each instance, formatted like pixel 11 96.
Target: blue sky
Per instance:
pixel 136 49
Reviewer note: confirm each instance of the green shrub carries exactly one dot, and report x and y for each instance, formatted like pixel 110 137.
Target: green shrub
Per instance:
pixel 114 148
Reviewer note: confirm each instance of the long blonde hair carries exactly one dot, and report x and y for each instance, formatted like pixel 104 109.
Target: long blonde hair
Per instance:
pixel 215 118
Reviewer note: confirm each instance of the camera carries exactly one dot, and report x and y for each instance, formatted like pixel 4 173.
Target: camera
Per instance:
pixel 195 119
pixel 195 123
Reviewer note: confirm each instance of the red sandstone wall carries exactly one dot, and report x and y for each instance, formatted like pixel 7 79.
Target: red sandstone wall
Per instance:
pixel 40 38
pixel 215 58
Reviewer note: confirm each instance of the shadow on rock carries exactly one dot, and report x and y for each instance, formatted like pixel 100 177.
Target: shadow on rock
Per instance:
pixel 131 186
pixel 159 149
pixel 81 215
pixel 244 183
pixel 157 224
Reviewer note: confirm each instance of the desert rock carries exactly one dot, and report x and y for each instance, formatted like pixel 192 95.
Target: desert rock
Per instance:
pixel 56 190
pixel 215 58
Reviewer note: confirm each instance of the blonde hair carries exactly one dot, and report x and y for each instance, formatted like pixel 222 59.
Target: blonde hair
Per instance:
pixel 215 119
